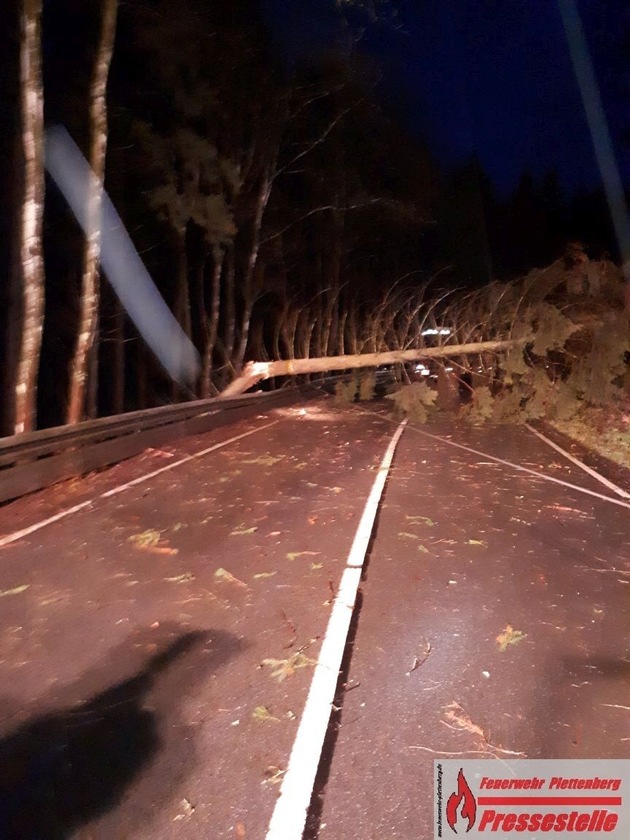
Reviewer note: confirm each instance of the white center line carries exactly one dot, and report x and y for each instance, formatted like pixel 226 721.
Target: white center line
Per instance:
pixel 289 816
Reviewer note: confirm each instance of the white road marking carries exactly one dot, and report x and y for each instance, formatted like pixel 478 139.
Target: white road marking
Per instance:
pixel 578 463
pixel 522 469
pixel 18 535
pixel 289 816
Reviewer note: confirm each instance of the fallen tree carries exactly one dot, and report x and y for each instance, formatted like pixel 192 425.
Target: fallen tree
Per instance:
pixel 255 372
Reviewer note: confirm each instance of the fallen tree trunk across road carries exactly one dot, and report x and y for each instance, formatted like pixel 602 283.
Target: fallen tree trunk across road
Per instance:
pixel 256 371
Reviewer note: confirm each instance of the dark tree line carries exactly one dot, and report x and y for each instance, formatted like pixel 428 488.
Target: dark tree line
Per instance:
pixel 248 191
pixel 481 236
pixel 275 210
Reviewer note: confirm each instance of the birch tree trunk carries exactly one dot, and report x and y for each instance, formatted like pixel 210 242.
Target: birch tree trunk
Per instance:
pixel 90 291
pixel 31 253
pixel 93 363
pixel 249 286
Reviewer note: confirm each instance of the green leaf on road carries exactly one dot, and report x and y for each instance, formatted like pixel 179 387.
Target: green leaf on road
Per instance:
pixel 152 541
pixel 510 636
pixel 146 538
pixel 263 715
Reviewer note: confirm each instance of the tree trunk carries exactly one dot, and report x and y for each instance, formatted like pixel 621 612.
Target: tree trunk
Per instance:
pixel 182 301
pixel 93 369
pixel 447 389
pixel 249 286
pixel 118 373
pixel 141 375
pixel 32 261
pixel 90 292
pixel 230 307
pixel 255 371
pixel 212 324
pixel 341 331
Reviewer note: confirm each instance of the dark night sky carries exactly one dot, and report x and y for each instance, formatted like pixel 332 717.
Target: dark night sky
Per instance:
pixel 487 76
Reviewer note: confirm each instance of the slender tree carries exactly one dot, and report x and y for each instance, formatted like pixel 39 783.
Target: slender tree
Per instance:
pixel 90 291
pixel 32 263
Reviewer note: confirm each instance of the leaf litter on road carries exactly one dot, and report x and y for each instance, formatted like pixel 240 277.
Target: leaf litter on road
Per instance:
pixel 459 720
pixel 273 775
pixel 187 577
pixel 151 540
pixel 293 555
pixel 509 636
pixel 187 810
pixel 264 460
pixel 420 520
pixel 16 591
pixel 283 668
pixel 243 530
pixel 263 715
pixel 228 577
pixel 421 658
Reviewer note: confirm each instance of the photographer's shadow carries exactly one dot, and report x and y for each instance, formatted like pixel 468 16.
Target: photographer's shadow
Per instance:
pixel 63 768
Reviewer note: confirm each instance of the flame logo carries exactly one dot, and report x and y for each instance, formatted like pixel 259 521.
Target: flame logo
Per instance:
pixel 469 808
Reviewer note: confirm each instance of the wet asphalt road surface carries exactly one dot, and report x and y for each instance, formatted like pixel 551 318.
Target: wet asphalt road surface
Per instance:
pixel 156 648
pixel 494 623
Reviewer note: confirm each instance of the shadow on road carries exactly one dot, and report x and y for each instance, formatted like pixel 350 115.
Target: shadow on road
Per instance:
pixel 63 768
pixel 579 722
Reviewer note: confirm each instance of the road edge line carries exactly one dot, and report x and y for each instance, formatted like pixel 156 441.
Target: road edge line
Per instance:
pixel 7 539
pixel 289 816
pixel 593 473
pixel 527 470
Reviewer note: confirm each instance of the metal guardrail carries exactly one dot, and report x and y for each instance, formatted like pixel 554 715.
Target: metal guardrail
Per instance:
pixel 35 460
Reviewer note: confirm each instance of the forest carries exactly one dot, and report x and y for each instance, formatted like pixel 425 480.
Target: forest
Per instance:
pixel 282 209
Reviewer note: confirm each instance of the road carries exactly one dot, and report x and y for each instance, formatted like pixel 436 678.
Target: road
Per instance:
pixel 160 623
